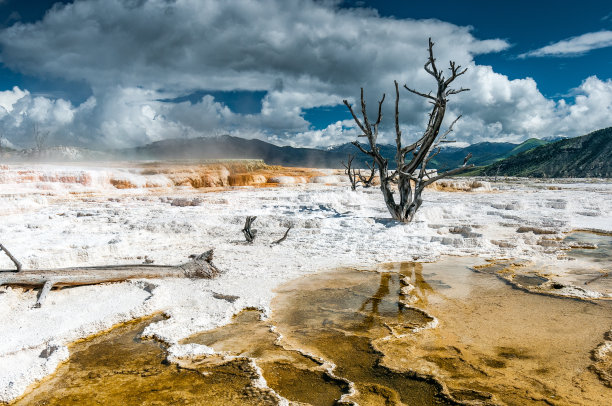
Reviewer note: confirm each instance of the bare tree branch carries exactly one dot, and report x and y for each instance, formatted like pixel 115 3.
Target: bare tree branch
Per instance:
pixel 358 145
pixel 453 91
pixel 364 115
pixel 428 96
pixel 284 237
pixel 380 110
pixel 11 257
pixel 248 233
pixel 367 181
pixel 448 173
pixel 448 131
pixel 467 158
pixel 346 103
pixel 351 171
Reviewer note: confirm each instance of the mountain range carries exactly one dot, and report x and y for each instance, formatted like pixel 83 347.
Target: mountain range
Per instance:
pixel 586 156
pixel 229 147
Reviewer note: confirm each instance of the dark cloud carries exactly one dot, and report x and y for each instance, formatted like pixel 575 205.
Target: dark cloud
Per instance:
pixel 303 54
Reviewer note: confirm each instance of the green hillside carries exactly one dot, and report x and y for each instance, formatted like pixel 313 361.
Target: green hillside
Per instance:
pixel 580 157
pixel 531 143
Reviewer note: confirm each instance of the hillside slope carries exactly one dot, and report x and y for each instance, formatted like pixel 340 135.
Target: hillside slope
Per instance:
pixel 581 157
pixel 229 147
pixel 483 153
pixel 531 143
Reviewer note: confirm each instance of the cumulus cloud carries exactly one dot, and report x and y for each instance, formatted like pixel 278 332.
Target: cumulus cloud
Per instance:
pixel 137 55
pixel 592 107
pixel 8 98
pixel 336 133
pixel 20 112
pixel 224 45
pixel 574 46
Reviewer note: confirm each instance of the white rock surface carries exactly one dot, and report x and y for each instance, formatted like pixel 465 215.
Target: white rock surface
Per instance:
pixel 78 219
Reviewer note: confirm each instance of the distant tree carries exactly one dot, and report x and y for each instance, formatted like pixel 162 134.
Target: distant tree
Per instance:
pixel 411 175
pixel 351 171
pixel 355 175
pixel 368 181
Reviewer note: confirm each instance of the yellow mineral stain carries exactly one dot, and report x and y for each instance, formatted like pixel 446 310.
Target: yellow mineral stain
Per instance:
pixel 225 174
pixel 291 374
pixel 117 368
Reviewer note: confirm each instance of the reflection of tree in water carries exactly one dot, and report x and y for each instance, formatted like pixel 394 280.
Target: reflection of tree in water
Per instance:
pixel 383 290
pixel 412 270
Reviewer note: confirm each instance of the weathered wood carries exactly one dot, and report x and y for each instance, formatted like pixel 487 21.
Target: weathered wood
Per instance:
pixel 42 295
pixel 603 275
pixel 249 234
pixel 367 181
pixel 11 257
pixel 351 172
pixel 284 237
pixel 200 266
pixel 411 175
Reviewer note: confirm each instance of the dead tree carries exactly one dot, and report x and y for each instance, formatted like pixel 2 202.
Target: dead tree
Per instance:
pixel 411 161
pixel 367 182
pixel 351 172
pixel 199 266
pixel 249 234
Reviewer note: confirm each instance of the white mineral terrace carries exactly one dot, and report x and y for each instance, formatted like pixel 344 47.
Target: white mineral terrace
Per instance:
pixel 52 216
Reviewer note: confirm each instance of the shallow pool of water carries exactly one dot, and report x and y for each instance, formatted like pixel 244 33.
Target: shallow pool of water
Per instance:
pixel 406 333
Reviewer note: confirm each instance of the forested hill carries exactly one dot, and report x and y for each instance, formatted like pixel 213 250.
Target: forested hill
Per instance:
pixel 588 156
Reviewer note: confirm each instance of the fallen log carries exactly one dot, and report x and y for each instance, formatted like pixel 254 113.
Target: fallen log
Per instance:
pixel 199 266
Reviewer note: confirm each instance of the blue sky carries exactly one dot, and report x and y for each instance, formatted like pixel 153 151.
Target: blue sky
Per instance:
pixel 526 25
pixel 127 72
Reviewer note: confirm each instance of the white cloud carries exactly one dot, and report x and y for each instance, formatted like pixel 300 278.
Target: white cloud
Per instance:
pixel 574 46
pixel 336 133
pixel 305 54
pixel 21 111
pixel 8 98
pixel 591 110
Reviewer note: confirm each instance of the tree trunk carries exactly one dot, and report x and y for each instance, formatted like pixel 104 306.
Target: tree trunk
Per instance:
pixel 200 266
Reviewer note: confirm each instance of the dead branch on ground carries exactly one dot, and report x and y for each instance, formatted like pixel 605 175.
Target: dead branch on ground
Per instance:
pixel 200 266
pixel 284 237
pixel 602 275
pixel 249 234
